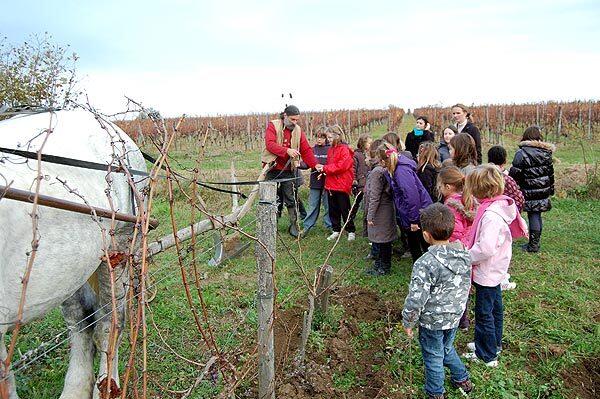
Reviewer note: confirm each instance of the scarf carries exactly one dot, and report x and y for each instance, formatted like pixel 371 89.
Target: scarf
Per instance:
pixel 418 132
pixel 517 227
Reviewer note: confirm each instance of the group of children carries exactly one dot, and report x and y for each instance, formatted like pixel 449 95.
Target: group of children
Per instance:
pixel 457 218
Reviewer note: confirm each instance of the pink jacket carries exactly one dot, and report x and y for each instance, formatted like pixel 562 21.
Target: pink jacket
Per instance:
pixel 463 219
pixel 490 241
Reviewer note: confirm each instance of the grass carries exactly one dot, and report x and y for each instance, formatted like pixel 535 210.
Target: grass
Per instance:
pixel 551 319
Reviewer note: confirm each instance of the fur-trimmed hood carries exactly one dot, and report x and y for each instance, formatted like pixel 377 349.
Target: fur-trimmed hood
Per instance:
pixel 539 144
pixel 456 203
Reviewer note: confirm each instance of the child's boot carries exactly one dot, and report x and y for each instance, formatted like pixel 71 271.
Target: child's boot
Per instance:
pixel 534 241
pixel 386 266
pixel 377 269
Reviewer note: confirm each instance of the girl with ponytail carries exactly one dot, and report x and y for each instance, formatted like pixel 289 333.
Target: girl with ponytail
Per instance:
pixel 409 197
pixel 450 183
pixel 462 204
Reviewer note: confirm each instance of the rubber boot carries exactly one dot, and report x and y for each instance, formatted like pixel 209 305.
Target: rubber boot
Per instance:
pixel 377 269
pixel 534 241
pixel 293 229
pixel 386 266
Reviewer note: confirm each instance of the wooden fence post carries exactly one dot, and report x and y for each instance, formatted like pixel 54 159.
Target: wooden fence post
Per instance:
pixel 589 126
pixel 265 258
pixel 323 289
pixel 559 123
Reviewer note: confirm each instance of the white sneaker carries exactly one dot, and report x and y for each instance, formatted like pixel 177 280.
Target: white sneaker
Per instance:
pixel 471 348
pixel 471 356
pixel 351 236
pixel 333 236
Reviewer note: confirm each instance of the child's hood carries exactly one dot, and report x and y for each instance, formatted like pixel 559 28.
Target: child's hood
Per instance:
pixel 452 256
pixel 404 160
pixel 505 208
pixel 455 201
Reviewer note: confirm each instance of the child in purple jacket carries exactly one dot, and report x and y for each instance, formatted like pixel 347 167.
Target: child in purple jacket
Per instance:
pixel 409 197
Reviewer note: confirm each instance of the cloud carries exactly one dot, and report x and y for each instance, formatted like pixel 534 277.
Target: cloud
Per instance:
pixel 237 56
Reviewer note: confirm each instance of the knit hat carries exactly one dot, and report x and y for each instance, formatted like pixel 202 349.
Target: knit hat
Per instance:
pixel 291 110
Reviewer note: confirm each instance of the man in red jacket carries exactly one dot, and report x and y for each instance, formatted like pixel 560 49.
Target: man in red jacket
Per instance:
pixel 285 144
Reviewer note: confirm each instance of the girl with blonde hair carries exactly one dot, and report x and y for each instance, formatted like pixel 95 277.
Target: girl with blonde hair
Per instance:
pixel 489 241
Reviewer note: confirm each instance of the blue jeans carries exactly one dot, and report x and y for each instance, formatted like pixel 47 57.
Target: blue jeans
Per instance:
pixel 489 319
pixel 316 197
pixel 437 348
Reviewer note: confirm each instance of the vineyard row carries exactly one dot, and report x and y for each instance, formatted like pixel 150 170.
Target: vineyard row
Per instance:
pixel 245 132
pixel 573 120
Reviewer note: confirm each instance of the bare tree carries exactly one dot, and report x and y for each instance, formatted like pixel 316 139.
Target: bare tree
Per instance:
pixel 37 72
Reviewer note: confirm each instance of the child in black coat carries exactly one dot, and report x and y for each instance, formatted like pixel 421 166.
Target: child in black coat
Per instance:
pixel 428 167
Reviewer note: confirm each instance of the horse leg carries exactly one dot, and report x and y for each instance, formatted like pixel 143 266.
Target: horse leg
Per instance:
pixel 104 317
pixel 79 381
pixel 8 388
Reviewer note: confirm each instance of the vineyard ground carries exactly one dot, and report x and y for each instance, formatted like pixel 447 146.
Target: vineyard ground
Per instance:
pixel 552 319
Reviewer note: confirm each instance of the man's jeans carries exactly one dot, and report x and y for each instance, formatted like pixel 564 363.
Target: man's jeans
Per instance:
pixel 437 347
pixel 316 197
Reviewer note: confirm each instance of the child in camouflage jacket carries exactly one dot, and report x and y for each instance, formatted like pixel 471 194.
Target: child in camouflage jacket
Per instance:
pixel 437 296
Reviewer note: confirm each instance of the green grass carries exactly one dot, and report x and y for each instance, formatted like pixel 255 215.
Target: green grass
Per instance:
pixel 551 319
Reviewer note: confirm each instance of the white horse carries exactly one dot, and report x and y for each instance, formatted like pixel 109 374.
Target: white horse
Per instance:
pixel 71 246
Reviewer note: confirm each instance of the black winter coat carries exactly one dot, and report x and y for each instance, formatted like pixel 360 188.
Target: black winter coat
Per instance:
pixel 472 130
pixel 413 142
pixel 428 177
pixel 533 171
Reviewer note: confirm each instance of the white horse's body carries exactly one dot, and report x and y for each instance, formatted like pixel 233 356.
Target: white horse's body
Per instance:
pixel 71 244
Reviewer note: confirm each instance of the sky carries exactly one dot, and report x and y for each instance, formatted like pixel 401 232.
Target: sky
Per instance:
pixel 233 56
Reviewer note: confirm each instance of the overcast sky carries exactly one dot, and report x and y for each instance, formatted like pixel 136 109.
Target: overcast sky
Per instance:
pixel 207 57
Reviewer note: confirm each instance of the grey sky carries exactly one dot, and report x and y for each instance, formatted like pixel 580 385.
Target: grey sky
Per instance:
pixel 203 57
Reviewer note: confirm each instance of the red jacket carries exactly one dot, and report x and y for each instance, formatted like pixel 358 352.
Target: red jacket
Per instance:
pixel 280 151
pixel 339 169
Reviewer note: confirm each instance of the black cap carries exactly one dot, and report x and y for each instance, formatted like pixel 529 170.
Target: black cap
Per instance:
pixel 291 110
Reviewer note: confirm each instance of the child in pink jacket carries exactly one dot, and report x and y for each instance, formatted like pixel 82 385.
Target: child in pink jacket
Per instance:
pixel 495 225
pixel 450 183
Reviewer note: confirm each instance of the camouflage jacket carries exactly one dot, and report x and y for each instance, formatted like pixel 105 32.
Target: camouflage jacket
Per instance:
pixel 439 287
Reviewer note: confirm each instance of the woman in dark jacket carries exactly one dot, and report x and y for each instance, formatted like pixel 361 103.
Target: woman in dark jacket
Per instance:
pixel 533 170
pixel 462 117
pixel 417 136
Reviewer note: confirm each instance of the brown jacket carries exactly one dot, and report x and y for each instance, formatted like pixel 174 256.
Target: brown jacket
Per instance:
pixel 360 171
pixel 379 207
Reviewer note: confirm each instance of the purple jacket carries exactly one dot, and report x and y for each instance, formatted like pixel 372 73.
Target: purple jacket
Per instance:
pixel 409 194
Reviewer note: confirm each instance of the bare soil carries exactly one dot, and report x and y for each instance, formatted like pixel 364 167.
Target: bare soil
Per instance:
pixel 583 379
pixel 343 353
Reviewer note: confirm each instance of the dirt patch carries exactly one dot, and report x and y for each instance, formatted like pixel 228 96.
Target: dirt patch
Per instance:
pixel 569 178
pixel 351 360
pixel 583 379
pixel 524 294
